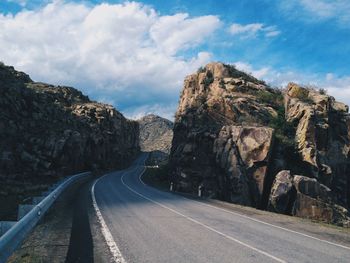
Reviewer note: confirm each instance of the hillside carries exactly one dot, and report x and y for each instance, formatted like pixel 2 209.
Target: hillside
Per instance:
pixel 47 132
pixel 247 143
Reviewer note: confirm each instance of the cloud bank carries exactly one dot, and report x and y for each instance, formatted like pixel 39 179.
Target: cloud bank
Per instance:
pixel 252 30
pixel 130 56
pixel 124 54
pixel 318 10
pixel 337 86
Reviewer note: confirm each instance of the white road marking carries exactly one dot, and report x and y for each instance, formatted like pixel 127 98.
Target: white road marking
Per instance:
pixel 259 221
pixel 201 224
pixel 113 248
pixel 275 226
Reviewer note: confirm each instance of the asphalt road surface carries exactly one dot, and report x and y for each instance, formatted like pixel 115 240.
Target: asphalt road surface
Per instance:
pixel 143 224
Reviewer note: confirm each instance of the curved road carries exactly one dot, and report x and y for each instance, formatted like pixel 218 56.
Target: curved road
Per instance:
pixel 148 225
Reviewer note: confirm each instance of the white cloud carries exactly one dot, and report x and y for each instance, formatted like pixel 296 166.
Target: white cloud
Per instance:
pixel 252 30
pixel 315 10
pixel 336 86
pixel 122 53
pixel 172 33
pixel 248 68
pixel 236 29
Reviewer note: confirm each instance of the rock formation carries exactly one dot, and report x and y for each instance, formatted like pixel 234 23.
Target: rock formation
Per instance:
pixel 245 142
pixel 281 198
pixel 49 131
pixel 156 134
pixel 322 137
pixel 243 153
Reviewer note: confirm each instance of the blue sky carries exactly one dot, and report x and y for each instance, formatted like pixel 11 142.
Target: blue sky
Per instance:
pixel 135 55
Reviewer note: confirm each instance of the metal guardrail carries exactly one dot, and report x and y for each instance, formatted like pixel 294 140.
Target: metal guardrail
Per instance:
pixel 14 236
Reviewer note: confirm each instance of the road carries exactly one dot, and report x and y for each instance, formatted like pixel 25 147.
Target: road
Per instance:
pixel 143 224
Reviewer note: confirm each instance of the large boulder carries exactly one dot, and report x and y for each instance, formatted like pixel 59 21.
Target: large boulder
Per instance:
pixel 281 193
pixel 305 197
pixel 315 201
pixel 243 153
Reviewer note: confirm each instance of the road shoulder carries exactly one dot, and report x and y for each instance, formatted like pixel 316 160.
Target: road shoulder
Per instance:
pixel 330 233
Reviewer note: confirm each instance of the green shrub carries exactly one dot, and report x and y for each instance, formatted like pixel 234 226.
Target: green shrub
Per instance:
pixel 201 70
pixel 235 73
pixel 274 98
pixel 323 91
pixel 209 78
pixel 222 84
pixel 301 93
pixel 284 131
pixel 157 177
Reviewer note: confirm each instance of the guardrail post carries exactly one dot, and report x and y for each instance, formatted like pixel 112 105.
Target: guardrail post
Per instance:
pixel 200 191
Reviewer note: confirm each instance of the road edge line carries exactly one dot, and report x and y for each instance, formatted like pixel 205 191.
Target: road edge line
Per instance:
pixel 113 248
pixel 259 221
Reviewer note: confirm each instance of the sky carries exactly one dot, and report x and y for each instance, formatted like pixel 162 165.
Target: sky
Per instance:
pixel 136 54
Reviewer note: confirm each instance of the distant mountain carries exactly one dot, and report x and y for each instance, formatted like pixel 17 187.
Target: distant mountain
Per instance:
pixel 156 133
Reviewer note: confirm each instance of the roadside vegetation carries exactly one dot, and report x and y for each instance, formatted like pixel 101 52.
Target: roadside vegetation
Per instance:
pixel 157 176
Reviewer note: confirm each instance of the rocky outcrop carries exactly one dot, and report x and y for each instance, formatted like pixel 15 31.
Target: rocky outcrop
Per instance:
pixel 322 137
pixel 221 139
pixel 236 138
pixel 281 193
pixel 243 153
pixel 305 197
pixel 156 134
pixel 49 131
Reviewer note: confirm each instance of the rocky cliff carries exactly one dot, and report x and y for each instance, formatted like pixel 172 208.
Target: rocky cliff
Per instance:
pixel 242 141
pixel 156 134
pixel 49 131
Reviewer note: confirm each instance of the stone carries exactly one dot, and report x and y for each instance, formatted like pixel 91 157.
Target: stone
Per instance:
pixel 311 187
pixel 239 148
pixel 281 193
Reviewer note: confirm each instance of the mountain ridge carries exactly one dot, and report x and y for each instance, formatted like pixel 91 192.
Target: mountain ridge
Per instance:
pixel 155 133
